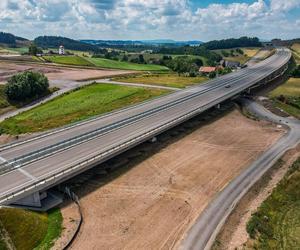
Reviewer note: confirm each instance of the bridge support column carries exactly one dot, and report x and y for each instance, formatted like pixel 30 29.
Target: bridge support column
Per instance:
pixel 33 200
pixel 39 201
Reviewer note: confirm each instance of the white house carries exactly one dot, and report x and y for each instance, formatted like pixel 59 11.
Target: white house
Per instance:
pixel 61 50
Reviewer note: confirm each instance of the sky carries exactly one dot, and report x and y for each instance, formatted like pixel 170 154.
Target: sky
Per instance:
pixel 151 19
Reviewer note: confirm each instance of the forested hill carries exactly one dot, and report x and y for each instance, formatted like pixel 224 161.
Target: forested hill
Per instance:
pixel 10 39
pixel 233 43
pixel 56 41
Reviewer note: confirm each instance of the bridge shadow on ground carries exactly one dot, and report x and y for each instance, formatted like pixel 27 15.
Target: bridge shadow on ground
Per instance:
pixel 119 165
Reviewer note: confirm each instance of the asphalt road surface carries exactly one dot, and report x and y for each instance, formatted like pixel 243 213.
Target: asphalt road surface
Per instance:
pixel 53 156
pixel 208 225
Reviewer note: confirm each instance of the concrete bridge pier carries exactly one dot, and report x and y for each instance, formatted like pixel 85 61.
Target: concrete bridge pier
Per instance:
pixel 39 201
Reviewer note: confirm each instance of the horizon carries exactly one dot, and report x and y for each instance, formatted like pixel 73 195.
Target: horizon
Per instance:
pixel 179 20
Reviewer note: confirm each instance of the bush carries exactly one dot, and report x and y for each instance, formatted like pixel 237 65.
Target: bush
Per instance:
pixel 296 72
pixel 26 85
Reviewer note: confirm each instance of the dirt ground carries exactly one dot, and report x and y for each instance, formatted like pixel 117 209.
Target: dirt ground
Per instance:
pixel 234 235
pixel 7 69
pixel 152 204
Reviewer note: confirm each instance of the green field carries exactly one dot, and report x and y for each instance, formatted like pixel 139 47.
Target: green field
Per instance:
pixel 30 230
pixel 112 64
pixel 276 224
pixel 287 97
pixel 169 80
pixel 88 101
pixel 68 60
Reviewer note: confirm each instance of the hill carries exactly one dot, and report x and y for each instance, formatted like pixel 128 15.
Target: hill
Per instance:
pixel 157 42
pixel 56 41
pixel 233 43
pixel 10 39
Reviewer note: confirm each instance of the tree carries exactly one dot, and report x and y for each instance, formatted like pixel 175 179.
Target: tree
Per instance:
pixel 212 75
pixel 125 58
pixel 26 85
pixel 33 49
pixel 141 59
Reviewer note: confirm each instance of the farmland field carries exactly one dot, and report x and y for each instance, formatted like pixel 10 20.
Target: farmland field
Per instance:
pixel 241 58
pixel 69 60
pixel 287 96
pixel 169 80
pixel 112 64
pixel 77 105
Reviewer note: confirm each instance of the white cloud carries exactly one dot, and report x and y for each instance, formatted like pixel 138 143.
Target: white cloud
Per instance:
pixel 143 19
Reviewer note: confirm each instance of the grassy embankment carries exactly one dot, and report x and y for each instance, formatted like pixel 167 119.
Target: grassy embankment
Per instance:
pixel 235 56
pixel 29 230
pixel 287 97
pixel 276 224
pixel 78 105
pixel 169 80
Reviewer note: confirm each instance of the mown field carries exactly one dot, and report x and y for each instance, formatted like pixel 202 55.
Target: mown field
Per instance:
pixel 29 230
pixel 83 103
pixel 68 60
pixel 112 64
pixel 169 80
pixel 276 224
pixel 287 97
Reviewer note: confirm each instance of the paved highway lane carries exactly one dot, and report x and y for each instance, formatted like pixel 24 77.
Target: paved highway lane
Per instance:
pixel 207 226
pixel 125 128
pixel 237 78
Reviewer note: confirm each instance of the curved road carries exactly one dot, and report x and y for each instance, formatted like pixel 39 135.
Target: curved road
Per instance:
pixel 48 159
pixel 203 233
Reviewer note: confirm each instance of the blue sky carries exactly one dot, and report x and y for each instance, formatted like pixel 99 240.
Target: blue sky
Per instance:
pixel 152 19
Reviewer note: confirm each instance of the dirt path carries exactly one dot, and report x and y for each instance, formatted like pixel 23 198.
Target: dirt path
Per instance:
pixel 151 205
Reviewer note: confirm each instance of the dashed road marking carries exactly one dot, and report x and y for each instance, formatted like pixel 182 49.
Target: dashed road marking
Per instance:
pixel 27 174
pixel 2 159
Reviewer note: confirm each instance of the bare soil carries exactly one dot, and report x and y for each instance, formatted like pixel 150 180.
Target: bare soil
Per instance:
pixel 152 203
pixel 234 235
pixel 7 69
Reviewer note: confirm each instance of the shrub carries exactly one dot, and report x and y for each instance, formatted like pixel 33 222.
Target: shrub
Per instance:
pixel 26 85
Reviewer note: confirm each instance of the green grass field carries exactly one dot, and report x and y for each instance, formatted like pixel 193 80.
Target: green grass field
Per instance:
pixel 170 80
pixel 287 97
pixel 112 64
pixel 88 101
pixel 68 60
pixel 276 224
pixel 30 230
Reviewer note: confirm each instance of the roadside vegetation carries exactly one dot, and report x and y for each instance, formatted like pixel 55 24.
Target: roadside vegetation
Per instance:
pixel 169 80
pixel 275 225
pixel 26 230
pixel 77 105
pixel 296 52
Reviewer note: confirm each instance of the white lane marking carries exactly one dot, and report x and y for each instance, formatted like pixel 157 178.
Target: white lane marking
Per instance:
pixel 27 174
pixel 2 159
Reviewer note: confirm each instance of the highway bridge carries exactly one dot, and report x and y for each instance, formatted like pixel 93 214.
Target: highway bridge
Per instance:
pixel 29 168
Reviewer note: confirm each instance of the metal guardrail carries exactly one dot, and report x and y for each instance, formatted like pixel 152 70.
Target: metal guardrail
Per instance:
pixel 68 143
pixel 132 142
